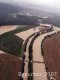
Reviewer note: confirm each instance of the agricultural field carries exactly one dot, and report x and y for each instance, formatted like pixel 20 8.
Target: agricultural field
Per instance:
pixel 11 43
pixel 9 67
pixel 51 53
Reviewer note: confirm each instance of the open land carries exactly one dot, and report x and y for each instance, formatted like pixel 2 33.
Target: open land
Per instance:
pixel 51 52
pixel 9 67
pixel 16 37
pixel 9 42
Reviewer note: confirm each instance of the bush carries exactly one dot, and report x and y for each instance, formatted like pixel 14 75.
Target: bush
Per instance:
pixel 30 57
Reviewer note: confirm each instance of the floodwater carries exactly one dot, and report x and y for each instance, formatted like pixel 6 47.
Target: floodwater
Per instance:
pixel 25 34
pixel 26 58
pixel 4 29
pixel 38 68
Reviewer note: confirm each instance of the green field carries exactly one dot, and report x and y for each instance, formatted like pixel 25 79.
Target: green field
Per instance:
pixel 12 44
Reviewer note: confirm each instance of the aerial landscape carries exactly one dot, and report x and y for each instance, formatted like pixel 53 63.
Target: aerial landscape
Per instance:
pixel 29 40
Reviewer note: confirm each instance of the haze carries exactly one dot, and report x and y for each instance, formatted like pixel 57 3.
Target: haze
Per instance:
pixel 52 3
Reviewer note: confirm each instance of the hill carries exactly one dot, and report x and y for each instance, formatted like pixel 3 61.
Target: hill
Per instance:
pixel 8 8
pixel 9 15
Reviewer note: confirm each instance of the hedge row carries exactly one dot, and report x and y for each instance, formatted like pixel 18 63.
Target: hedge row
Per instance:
pixel 30 64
